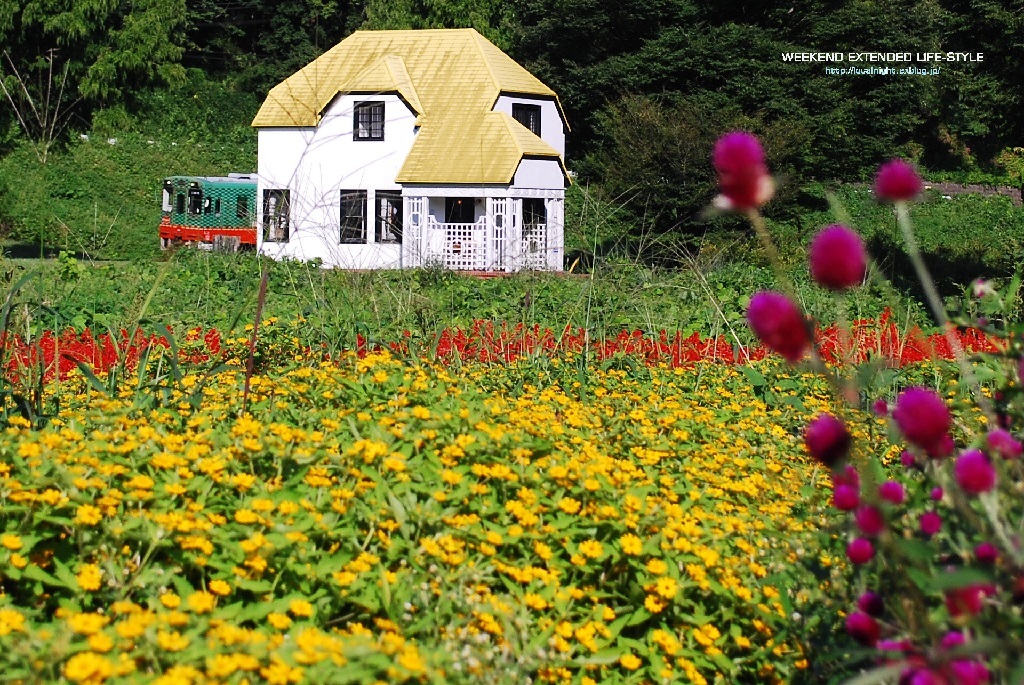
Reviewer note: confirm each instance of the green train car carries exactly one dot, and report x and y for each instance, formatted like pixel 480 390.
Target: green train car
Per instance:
pixel 198 209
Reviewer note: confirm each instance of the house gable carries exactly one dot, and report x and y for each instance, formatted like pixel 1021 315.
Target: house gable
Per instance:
pixel 451 79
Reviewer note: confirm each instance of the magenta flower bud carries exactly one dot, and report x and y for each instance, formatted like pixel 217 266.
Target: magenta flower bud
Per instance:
pixel 863 628
pixel 880 407
pixel 742 175
pixel 871 603
pixel 923 676
pixel 986 553
pixel 921 416
pixel 967 601
pixel 953 638
pixel 860 551
pixel 1002 443
pixel 931 523
pixel 892 491
pixel 895 645
pixel 967 672
pixel 943 447
pixel 907 458
pixel 936 493
pixel 869 519
pixel 779 325
pixel 848 476
pixel 845 498
pixel 837 258
pixel 897 180
pixel 827 439
pixel 974 472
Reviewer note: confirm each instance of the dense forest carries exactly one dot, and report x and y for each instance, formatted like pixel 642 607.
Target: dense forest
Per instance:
pixel 647 84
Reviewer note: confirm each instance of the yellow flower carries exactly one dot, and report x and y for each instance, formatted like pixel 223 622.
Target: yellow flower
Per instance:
pixel 630 662
pixel 88 515
pixel 10 541
pixel 170 600
pixel 88 667
pixel 101 642
pixel 220 587
pixel 667 587
pixel 657 567
pixel 591 548
pixel 10 621
pixel 87 624
pixel 171 641
pixel 201 602
pixel 89 576
pixel 569 505
pixel 18 561
pixel 300 608
pixel 279 621
pixel 631 544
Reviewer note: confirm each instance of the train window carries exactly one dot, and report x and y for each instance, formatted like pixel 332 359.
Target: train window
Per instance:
pixel 242 207
pixel 389 217
pixel 180 209
pixel 216 207
pixel 168 191
pixel 276 212
pixel 195 201
pixel 207 206
pixel 353 216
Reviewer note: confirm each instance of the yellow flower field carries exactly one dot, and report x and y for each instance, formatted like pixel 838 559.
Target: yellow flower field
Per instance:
pixel 380 519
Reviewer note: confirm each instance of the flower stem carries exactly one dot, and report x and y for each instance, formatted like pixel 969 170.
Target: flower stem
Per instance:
pixel 939 310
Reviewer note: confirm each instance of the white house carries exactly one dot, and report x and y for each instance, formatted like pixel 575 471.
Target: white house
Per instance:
pixel 411 148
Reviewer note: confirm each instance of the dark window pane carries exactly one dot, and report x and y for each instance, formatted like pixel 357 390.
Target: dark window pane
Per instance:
pixel 389 217
pixel 368 121
pixel 195 201
pixel 353 216
pixel 242 207
pixel 528 116
pixel 180 208
pixel 276 212
pixel 458 210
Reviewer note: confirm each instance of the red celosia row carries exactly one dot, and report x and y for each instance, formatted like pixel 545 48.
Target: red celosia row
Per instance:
pixel 487 342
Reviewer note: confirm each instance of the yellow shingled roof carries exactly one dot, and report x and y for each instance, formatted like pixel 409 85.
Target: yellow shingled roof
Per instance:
pixel 450 77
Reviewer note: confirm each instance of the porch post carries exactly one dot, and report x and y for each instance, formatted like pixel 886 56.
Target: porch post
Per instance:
pixel 556 233
pixel 514 235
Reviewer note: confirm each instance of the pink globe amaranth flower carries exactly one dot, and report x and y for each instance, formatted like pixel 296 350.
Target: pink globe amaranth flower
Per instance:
pixel 742 175
pixel 897 180
pixel 931 523
pixel 974 472
pixel 953 638
pixel 922 676
pixel 845 497
pixel 1005 445
pixel 837 258
pixel 779 325
pixel 908 459
pixel 880 407
pixel 892 491
pixel 967 601
pixel 863 628
pixel 921 416
pixel 870 520
pixel 986 553
pixel 847 476
pixel 827 439
pixel 937 493
pixel 860 551
pixel 943 447
pixel 871 604
pixel 968 672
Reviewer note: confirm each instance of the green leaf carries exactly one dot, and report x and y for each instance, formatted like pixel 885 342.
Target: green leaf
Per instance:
pixel 879 675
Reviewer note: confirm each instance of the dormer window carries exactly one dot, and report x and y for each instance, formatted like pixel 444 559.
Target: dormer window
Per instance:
pixel 528 116
pixel 368 121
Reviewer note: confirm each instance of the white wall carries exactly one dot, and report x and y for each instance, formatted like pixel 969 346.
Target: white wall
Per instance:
pixel 316 164
pixel 552 130
pixel 539 173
